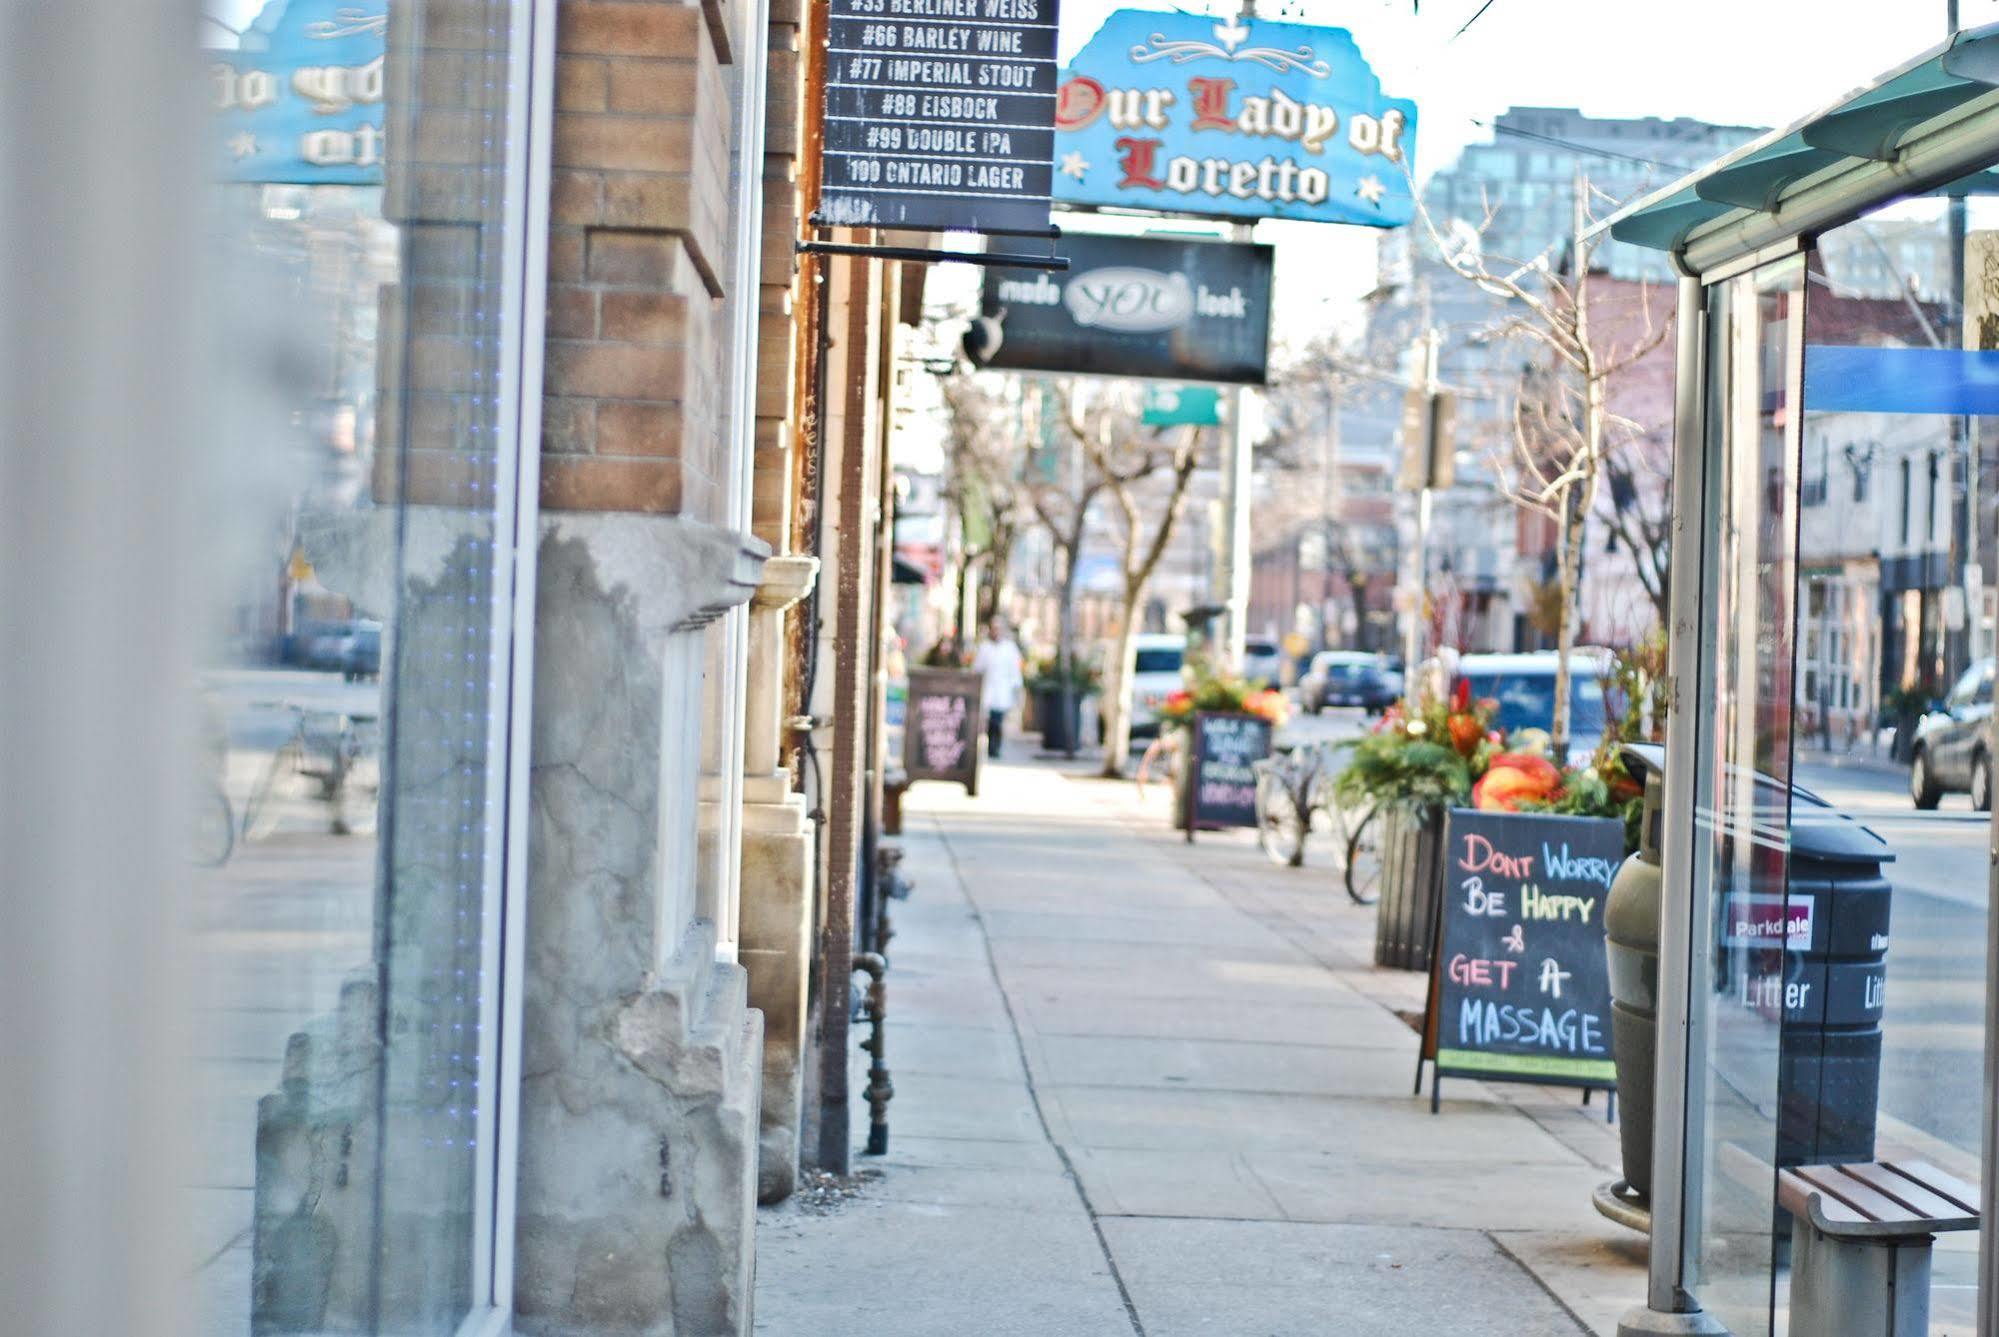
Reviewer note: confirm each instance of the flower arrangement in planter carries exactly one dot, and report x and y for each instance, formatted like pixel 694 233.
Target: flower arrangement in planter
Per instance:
pixel 1060 720
pixel 1222 693
pixel 1430 757
pixel 1044 674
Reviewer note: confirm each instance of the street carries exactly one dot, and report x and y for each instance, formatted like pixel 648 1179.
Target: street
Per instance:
pixel 1934 1027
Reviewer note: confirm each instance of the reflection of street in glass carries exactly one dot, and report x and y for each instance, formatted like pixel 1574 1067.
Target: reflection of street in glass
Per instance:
pixel 275 934
pixel 307 755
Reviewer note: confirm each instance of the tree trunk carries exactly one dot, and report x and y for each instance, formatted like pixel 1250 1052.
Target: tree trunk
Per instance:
pixel 1065 646
pixel 1568 544
pixel 1117 689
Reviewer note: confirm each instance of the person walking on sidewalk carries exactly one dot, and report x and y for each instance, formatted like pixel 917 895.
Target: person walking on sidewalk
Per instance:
pixel 998 664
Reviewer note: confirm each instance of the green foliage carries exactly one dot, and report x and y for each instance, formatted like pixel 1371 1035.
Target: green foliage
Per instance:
pixel 1045 675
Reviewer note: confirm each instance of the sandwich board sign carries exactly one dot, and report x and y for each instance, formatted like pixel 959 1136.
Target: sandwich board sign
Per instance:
pixel 1520 985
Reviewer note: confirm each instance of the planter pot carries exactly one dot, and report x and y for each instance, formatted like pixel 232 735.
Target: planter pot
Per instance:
pixel 1060 729
pixel 1412 886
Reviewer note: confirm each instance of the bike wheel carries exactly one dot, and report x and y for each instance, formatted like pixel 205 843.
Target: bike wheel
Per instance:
pixel 1363 870
pixel 1280 827
pixel 260 813
pixel 355 795
pixel 214 833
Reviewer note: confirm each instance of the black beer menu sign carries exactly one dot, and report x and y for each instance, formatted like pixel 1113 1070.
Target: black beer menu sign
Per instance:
pixel 941 727
pixel 1522 988
pixel 1221 780
pixel 940 114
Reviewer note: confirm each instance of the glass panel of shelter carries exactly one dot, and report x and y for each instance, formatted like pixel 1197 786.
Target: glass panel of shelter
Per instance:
pixel 1839 1008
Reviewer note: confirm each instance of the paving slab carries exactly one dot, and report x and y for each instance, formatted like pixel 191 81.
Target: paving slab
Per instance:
pixel 1335 1020
pixel 1219 1065
pixel 1288 1279
pixel 1213 1119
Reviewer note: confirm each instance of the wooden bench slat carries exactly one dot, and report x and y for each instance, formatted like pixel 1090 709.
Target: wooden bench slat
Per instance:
pixel 1919 1204
pixel 1869 1204
pixel 1795 1190
pixel 1945 1186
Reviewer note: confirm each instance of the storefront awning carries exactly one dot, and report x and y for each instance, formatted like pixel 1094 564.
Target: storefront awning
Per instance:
pixel 1928 122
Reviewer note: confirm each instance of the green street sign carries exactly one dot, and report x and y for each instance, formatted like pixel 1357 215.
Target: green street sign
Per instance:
pixel 1183 406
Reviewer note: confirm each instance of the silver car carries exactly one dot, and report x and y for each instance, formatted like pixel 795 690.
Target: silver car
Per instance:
pixel 1953 747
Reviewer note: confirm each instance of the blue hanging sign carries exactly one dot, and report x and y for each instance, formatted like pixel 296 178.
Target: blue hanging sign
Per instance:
pixel 299 100
pixel 1231 118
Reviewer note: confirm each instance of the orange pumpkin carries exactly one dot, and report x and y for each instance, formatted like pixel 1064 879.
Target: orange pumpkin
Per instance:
pixel 1514 778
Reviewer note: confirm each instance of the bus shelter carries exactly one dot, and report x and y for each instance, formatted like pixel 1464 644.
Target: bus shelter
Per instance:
pixel 1836 474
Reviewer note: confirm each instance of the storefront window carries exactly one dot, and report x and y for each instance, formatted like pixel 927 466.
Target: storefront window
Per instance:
pixel 349 819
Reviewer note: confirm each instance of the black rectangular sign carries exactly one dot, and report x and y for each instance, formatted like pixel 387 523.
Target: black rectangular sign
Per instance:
pixel 940 114
pixel 1173 307
pixel 1521 989
pixel 942 727
pixel 1221 776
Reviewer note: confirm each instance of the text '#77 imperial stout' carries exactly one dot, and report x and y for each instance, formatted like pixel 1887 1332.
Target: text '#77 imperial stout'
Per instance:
pixel 940 114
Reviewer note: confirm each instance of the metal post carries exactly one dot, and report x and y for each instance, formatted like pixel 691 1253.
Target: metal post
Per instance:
pixel 1231 583
pixel 1669 1309
pixel 1418 573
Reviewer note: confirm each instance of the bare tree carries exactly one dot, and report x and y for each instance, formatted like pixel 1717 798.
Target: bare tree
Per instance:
pixel 1640 518
pixel 1563 429
pixel 1063 509
pixel 983 482
pixel 1124 463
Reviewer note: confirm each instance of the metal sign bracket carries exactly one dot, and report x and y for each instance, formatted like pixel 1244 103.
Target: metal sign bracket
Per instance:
pixel 1006 259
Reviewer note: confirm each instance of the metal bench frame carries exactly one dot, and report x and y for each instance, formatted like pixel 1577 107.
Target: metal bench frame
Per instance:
pixel 1861 1236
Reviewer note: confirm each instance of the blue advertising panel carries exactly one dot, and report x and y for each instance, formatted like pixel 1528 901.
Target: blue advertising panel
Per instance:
pixel 299 99
pixel 1231 118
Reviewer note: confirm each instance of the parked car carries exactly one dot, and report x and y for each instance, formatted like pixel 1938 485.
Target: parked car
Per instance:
pixel 1155 676
pixel 1262 660
pixel 1347 678
pixel 1953 747
pixel 361 656
pixel 1524 687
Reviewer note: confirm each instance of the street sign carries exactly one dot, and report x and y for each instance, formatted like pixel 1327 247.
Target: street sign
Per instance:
pixel 1180 308
pixel 1232 118
pixel 298 100
pixel 940 114
pixel 1182 406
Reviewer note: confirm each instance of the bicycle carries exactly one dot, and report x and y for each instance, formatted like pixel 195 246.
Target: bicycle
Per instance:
pixel 339 759
pixel 1292 789
pixel 212 826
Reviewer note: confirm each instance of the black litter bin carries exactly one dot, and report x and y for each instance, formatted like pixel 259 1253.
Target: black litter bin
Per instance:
pixel 1833 985
pixel 1813 961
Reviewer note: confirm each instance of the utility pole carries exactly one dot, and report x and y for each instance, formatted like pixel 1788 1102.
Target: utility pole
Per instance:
pixel 1416 569
pixel 1329 451
pixel 1230 587
pixel 1962 644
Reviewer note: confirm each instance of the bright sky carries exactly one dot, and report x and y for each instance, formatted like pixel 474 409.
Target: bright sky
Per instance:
pixel 1743 62
pixel 1739 62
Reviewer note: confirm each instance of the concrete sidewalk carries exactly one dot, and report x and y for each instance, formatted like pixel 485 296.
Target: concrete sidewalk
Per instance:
pixel 1149 1088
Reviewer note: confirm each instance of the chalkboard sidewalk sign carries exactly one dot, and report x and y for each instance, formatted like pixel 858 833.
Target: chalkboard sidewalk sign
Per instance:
pixel 1222 752
pixel 1519 986
pixel 943 728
